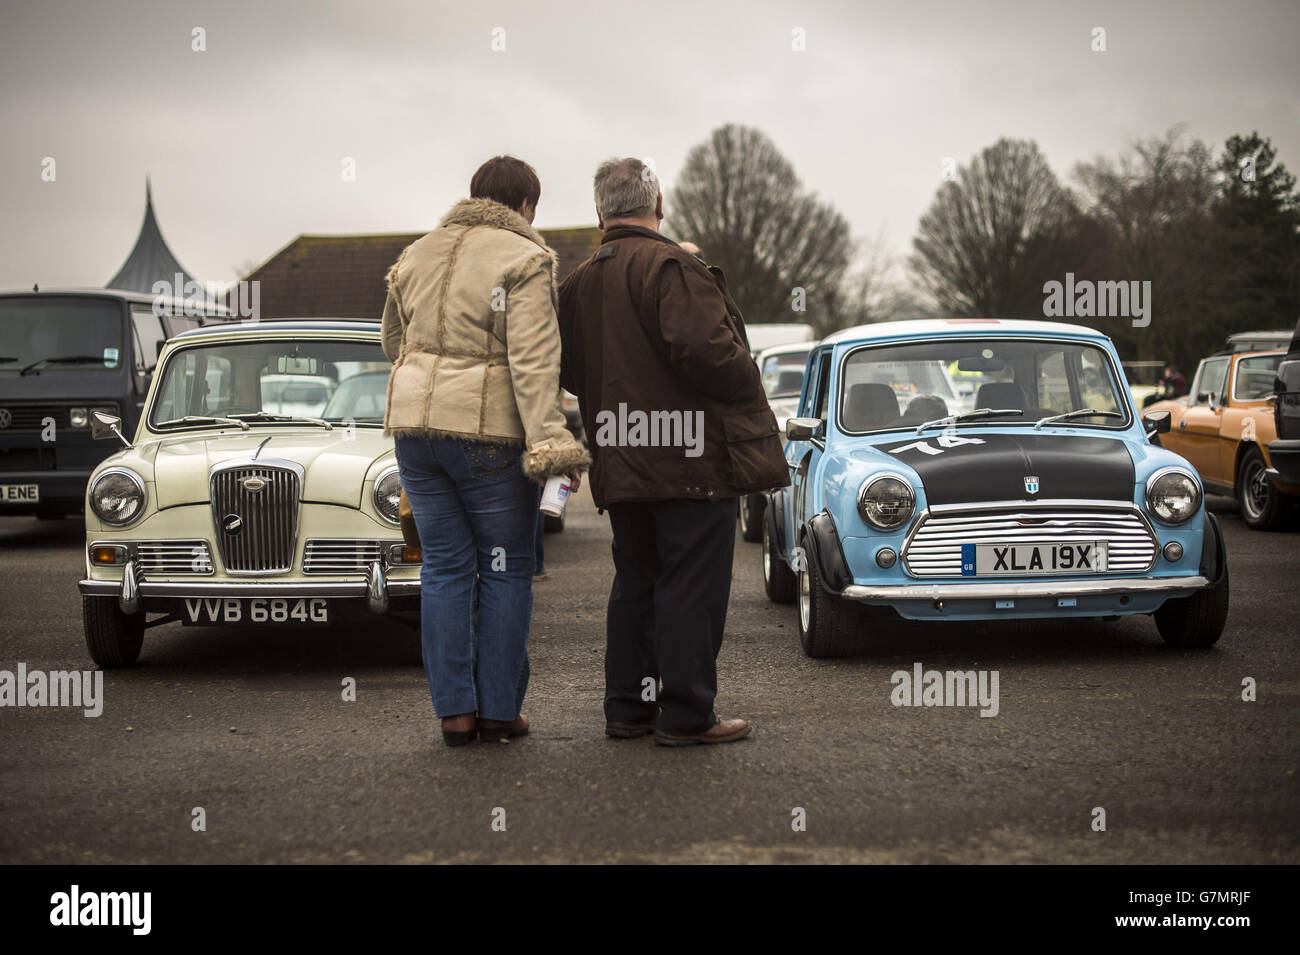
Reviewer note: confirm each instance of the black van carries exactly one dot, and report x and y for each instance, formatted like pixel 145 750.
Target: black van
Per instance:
pixel 63 355
pixel 1284 453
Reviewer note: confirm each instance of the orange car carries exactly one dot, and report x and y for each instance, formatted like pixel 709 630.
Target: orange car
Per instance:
pixel 1224 426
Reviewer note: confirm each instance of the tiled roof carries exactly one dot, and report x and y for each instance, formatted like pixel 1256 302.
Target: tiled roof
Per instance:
pixel 342 276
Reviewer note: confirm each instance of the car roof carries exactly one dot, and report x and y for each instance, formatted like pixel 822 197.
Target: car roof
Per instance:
pixel 281 327
pixel 176 302
pixel 788 348
pixel 957 326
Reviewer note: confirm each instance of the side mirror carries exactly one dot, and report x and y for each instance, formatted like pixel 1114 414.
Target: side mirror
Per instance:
pixel 1158 422
pixel 802 429
pixel 106 426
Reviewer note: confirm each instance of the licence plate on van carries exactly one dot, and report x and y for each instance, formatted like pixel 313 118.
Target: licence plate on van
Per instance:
pixel 1046 558
pixel 20 493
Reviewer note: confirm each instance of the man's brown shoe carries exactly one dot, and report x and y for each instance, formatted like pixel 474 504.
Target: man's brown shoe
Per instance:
pixel 494 731
pixel 459 730
pixel 723 731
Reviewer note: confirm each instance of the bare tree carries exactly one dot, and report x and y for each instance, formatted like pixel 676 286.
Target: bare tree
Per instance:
pixel 995 234
pixel 1153 208
pixel 739 199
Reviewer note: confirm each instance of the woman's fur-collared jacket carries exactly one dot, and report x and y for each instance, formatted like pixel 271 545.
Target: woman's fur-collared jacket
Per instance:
pixel 470 327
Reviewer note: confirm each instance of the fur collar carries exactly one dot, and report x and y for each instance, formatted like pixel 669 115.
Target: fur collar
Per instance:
pixel 488 212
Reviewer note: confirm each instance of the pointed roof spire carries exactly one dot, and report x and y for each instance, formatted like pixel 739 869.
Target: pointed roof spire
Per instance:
pixel 150 260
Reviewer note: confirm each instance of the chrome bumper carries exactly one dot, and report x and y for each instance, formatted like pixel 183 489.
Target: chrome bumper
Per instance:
pixel 1037 588
pixel 376 589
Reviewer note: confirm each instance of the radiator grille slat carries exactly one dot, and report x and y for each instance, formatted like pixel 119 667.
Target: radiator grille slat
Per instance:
pixel 264 541
pixel 173 557
pixel 934 550
pixel 341 556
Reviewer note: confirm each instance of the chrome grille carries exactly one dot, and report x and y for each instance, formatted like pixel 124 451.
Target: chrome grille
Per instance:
pixel 173 557
pixel 264 542
pixel 340 556
pixel 934 548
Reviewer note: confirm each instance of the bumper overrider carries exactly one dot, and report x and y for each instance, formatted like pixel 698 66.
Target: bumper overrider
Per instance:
pixel 1040 597
pixel 135 590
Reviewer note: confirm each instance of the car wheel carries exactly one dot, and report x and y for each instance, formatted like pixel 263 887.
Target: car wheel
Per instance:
pixel 113 638
pixel 778 578
pixel 1195 621
pixel 826 622
pixel 1261 505
pixel 552 524
pixel 751 517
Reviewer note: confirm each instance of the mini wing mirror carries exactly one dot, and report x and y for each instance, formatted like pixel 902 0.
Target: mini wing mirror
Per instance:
pixel 1157 422
pixel 104 425
pixel 802 429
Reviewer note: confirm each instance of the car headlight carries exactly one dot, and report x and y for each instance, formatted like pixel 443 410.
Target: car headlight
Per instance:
pixel 886 501
pixel 78 418
pixel 1173 495
pixel 388 492
pixel 117 496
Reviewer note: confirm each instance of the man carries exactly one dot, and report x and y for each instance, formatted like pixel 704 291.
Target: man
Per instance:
pixel 655 349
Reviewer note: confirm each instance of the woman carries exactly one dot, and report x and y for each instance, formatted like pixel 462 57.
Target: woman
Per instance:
pixel 474 404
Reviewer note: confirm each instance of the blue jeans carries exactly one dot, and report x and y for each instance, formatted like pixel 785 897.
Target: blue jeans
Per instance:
pixel 477 516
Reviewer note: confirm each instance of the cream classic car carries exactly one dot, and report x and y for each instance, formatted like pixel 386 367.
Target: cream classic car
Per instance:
pixel 222 511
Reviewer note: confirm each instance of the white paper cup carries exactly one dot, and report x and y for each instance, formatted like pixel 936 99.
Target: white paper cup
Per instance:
pixel 555 495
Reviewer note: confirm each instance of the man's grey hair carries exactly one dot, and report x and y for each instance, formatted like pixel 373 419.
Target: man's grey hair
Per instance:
pixel 625 189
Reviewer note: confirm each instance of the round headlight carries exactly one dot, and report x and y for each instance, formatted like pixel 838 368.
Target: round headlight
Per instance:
pixel 1173 496
pixel 886 501
pixel 388 492
pixel 117 496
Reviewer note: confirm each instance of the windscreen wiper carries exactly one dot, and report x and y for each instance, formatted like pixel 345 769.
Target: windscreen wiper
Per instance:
pixel 969 416
pixel 269 416
pixel 1081 413
pixel 203 419
pixel 65 360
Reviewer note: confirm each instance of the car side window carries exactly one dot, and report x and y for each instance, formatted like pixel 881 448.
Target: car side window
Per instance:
pixel 148 329
pixel 821 400
pixel 1254 378
pixel 1213 376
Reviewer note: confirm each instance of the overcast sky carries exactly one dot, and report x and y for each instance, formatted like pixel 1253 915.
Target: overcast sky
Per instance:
pixel 245 141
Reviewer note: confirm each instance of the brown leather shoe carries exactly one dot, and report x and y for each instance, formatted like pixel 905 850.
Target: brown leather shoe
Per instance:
pixel 493 731
pixel 723 731
pixel 460 729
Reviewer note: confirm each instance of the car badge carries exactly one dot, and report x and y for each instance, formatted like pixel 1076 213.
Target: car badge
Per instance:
pixel 232 524
pixel 6 419
pixel 252 484
pixel 1031 483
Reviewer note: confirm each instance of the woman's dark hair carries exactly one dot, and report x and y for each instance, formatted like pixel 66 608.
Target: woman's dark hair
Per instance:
pixel 506 180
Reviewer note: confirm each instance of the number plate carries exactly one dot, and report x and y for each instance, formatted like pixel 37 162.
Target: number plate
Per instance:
pixel 1045 559
pixel 20 493
pixel 210 611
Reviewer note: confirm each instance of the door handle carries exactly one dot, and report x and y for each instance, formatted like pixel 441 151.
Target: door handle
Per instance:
pixel 1182 426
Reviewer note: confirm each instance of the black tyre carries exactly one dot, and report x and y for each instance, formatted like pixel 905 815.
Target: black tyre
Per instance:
pixel 113 638
pixel 1262 507
pixel 827 624
pixel 778 578
pixel 752 507
pixel 552 525
pixel 1195 621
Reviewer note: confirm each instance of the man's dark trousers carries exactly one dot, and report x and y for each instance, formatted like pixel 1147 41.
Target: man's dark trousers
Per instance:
pixel 667 610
